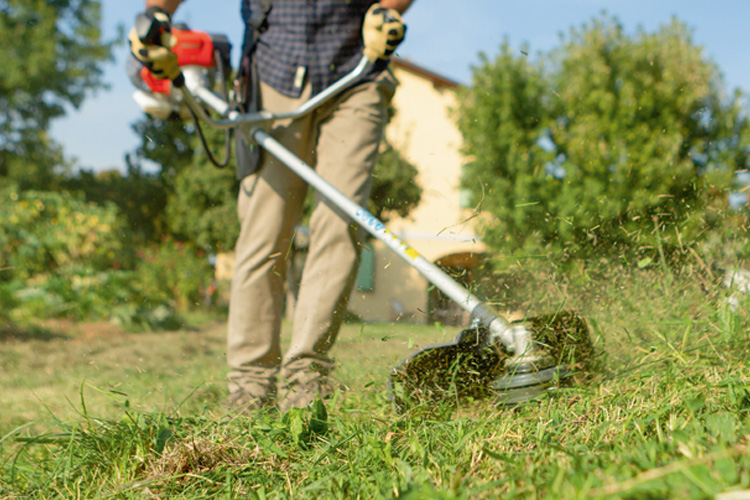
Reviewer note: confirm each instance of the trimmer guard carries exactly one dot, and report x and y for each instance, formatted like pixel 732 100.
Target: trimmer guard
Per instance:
pixel 471 367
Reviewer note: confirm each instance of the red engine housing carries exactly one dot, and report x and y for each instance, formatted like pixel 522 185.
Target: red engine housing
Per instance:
pixel 193 48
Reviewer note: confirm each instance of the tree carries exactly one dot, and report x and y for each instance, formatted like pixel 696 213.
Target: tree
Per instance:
pixel 51 54
pixel 168 144
pixel 202 208
pixel 139 196
pixel 612 144
pixel 394 185
pixel 196 202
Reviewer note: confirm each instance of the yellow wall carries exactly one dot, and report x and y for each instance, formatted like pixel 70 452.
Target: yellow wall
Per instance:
pixel 425 134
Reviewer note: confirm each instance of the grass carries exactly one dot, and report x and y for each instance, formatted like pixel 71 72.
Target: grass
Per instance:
pixel 111 414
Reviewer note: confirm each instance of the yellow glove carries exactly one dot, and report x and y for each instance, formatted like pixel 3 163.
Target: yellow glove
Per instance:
pixel 382 31
pixel 157 56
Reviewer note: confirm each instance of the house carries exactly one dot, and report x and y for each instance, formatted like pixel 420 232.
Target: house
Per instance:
pixel 442 227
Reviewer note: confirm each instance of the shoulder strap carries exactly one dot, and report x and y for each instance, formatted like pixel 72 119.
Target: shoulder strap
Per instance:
pixel 255 22
pixel 258 19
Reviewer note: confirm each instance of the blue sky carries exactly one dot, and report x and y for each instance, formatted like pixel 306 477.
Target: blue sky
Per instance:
pixel 443 36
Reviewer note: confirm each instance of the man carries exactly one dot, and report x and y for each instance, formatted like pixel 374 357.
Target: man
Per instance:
pixel 300 48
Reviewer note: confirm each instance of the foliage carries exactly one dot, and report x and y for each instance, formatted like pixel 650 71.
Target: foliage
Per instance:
pixel 175 273
pixel 51 56
pixel 43 232
pixel 394 186
pixel 169 144
pixel 7 299
pixel 203 207
pixel 202 204
pixel 199 205
pixel 64 257
pixel 140 198
pixel 612 144
pixel 58 253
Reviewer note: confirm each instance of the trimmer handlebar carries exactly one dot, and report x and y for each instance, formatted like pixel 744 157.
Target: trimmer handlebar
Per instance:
pixel 233 119
pixel 196 48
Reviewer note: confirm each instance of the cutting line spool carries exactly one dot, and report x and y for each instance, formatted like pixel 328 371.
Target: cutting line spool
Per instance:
pixel 515 388
pixel 470 367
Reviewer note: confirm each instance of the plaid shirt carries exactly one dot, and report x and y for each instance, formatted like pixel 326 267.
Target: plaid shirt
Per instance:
pixel 308 40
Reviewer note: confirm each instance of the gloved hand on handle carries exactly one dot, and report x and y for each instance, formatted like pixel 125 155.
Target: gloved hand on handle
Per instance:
pixel 154 28
pixel 382 31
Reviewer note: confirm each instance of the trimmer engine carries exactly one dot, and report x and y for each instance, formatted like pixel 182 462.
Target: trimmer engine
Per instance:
pixel 200 55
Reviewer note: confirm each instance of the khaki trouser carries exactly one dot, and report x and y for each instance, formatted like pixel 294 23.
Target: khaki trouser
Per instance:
pixel 340 139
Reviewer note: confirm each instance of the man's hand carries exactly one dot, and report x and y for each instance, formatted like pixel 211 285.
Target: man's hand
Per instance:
pixel 157 56
pixel 382 31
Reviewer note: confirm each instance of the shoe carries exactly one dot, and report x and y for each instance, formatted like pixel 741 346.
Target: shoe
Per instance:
pixel 250 390
pixel 242 402
pixel 302 388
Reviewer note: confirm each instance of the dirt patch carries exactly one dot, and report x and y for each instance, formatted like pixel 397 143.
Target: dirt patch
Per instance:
pixel 102 330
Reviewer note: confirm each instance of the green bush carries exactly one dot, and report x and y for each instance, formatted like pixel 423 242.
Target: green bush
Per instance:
pixel 140 197
pixel 8 301
pixel 176 274
pixel 59 255
pixel 44 232
pixel 63 257
pixel 613 144
pixel 395 189
pixel 203 207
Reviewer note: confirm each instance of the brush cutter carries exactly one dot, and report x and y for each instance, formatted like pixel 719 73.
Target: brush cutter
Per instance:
pixel 513 360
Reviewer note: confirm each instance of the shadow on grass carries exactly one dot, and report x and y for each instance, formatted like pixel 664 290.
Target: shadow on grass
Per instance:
pixel 27 333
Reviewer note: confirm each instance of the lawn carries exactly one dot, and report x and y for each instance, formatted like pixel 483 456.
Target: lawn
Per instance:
pixel 91 411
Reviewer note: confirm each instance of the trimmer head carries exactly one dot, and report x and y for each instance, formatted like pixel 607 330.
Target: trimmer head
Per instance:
pixel 471 366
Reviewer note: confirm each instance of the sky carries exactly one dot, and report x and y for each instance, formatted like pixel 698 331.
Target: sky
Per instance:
pixel 443 36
